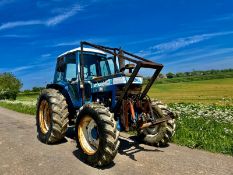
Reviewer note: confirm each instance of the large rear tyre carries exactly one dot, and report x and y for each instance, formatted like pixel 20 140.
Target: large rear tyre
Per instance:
pixel 52 116
pixel 161 134
pixel 96 134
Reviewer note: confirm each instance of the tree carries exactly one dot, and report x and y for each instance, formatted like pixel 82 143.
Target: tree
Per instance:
pixel 170 75
pixel 37 89
pixel 180 74
pixel 9 86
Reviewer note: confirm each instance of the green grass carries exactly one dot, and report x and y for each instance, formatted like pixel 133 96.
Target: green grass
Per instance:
pixel 204 127
pixel 19 107
pixel 28 96
pixel 204 134
pixel 201 124
pixel 217 75
pixel 218 91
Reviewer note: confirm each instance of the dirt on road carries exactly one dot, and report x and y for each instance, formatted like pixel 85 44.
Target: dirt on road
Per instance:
pixel 22 153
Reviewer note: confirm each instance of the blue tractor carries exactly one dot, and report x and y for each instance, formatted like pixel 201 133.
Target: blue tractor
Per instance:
pixel 95 90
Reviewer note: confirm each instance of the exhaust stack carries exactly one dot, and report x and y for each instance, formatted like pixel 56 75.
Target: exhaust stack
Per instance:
pixel 121 61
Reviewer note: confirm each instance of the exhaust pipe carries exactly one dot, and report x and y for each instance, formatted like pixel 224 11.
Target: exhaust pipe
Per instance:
pixel 121 61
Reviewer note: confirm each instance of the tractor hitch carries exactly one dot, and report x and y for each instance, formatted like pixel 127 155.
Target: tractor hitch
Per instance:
pixel 155 122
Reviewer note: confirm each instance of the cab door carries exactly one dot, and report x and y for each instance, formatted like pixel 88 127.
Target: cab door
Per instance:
pixel 71 79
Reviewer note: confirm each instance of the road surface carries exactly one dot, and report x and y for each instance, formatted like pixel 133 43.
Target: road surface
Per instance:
pixel 22 153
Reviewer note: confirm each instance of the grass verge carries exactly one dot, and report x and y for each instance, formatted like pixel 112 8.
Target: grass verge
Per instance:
pixel 204 134
pixel 19 107
pixel 204 127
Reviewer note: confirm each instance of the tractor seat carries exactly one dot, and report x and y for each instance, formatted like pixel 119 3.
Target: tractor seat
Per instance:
pixel 128 66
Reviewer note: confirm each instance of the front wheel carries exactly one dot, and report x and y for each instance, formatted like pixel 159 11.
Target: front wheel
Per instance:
pixel 96 134
pixel 52 116
pixel 161 134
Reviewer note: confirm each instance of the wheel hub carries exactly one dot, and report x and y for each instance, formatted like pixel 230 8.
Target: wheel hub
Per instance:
pixel 92 133
pixel 44 116
pixel 88 135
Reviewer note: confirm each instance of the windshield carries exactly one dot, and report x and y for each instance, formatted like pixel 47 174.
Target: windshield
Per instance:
pixel 95 65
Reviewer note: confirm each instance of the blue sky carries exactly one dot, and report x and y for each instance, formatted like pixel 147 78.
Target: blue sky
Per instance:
pixel 182 35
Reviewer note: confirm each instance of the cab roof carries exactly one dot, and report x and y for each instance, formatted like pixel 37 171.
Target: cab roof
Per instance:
pixel 84 49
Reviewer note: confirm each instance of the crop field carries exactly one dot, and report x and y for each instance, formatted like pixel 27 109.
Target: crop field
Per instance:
pixel 216 91
pixel 205 111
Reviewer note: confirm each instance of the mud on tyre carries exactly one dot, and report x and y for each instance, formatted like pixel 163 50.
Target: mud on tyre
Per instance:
pixel 51 116
pixel 96 134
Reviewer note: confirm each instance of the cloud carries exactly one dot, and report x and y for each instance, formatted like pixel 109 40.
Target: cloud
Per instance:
pixel 15 36
pixel 218 62
pixel 21 68
pixel 179 43
pixel 224 18
pixel 5 2
pixel 14 24
pixel 27 67
pixel 60 18
pixel 186 41
pixel 48 22
pixel 69 43
pixel 202 54
pixel 45 55
pixel 77 42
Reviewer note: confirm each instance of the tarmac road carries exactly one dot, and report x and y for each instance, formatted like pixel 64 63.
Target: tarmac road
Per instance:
pixel 22 153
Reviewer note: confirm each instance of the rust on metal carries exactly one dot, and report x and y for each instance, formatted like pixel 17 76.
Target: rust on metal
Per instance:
pixel 139 61
pixel 131 110
pixel 125 117
pixel 157 121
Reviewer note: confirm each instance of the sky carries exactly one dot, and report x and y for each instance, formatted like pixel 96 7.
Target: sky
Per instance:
pixel 182 35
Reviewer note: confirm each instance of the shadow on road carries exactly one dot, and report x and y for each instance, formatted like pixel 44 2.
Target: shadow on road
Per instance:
pixel 78 154
pixel 64 140
pixel 128 147
pixel 70 133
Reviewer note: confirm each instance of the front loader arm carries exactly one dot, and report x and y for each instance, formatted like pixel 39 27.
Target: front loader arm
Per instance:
pixel 139 61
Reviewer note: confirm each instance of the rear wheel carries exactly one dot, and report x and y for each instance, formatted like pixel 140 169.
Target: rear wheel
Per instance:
pixel 97 136
pixel 159 135
pixel 52 116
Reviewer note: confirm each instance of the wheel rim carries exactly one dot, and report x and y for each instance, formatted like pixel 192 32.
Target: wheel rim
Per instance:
pixel 44 116
pixel 88 135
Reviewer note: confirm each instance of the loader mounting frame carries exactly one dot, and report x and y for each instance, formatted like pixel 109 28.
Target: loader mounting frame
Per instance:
pixel 139 61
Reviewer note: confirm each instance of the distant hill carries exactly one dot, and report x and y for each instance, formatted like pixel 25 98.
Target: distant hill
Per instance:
pixel 194 76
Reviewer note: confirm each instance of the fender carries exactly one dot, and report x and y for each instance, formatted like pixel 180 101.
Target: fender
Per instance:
pixel 61 88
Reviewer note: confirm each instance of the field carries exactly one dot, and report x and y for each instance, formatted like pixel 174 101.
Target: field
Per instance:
pixel 205 111
pixel 216 91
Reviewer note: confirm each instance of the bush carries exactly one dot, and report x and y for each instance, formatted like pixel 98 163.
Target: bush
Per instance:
pixel 170 75
pixel 9 86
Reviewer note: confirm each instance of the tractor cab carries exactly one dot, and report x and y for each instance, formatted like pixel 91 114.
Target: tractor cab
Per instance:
pixel 103 77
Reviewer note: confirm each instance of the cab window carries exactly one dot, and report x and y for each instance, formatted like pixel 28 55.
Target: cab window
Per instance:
pixel 71 68
pixel 104 68
pixel 70 71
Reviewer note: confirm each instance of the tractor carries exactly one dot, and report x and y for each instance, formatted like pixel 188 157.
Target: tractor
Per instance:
pixel 99 90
